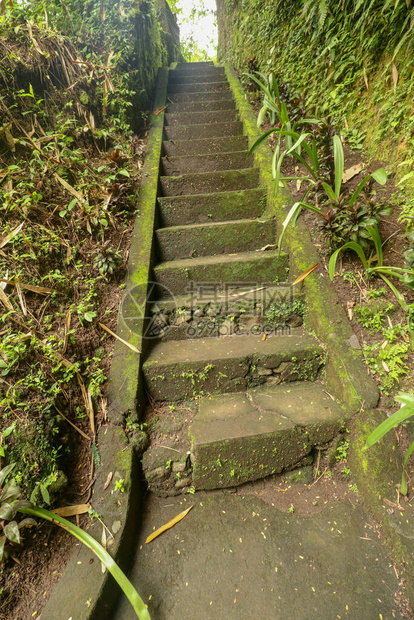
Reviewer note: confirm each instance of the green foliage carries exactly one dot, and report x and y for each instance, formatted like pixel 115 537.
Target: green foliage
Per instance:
pixel 352 60
pixel 388 362
pixel 373 316
pixel 398 417
pixel 10 503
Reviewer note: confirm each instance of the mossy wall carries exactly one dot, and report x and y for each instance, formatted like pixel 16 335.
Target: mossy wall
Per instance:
pixel 353 61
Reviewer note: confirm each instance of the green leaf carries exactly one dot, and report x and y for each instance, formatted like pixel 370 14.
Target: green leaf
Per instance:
pixel 2 543
pixel 351 245
pixel 124 172
pixel 45 493
pixel 85 538
pixel 339 164
pixel 394 420
pixel 89 316
pixel 375 236
pixel 72 204
pixel 260 140
pixel 11 531
pixel 8 430
pixel 6 511
pixel 10 493
pixel 380 176
pixel 261 115
pixel 329 192
pixel 5 472
pixel 403 488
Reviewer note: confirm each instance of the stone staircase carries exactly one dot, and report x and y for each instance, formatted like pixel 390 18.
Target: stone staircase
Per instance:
pixel 224 330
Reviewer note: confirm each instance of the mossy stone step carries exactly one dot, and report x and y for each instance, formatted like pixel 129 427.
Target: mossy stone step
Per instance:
pixel 198 87
pixel 196 66
pixel 207 96
pixel 181 78
pixel 194 118
pixel 220 206
pixel 198 132
pixel 224 311
pixel 246 267
pixel 204 146
pixel 213 162
pixel 197 71
pixel 210 182
pixel 238 438
pixel 177 370
pixel 177 242
pixel 200 106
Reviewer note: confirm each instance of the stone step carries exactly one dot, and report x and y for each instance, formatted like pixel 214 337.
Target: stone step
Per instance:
pixel 203 146
pixel 199 87
pixel 198 132
pixel 209 182
pixel 194 118
pixel 200 106
pixel 207 71
pixel 221 95
pixel 180 242
pixel 177 370
pixel 242 437
pixel 248 267
pixel 217 207
pixel 180 77
pixel 175 166
pixel 223 310
pixel 196 66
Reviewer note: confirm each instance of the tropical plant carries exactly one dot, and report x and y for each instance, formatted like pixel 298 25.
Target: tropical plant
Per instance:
pixel 376 255
pixel 337 201
pixel 404 413
pixel 11 503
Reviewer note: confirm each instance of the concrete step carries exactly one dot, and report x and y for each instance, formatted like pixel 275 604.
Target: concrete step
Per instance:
pixel 174 166
pixel 200 106
pixel 208 96
pixel 182 77
pixel 175 371
pixel 206 71
pixel 217 207
pixel 246 267
pixel 209 182
pixel 198 132
pixel 203 146
pixel 194 118
pixel 180 242
pixel 242 437
pixel 199 87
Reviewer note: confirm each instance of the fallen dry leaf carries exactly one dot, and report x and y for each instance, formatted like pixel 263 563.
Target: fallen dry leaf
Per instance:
pixel 128 344
pixel 160 110
pixel 305 274
pixel 71 511
pixel 352 172
pixel 168 525
pixel 11 235
pixel 108 480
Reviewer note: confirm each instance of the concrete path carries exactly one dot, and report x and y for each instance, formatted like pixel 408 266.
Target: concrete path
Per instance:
pixel 238 557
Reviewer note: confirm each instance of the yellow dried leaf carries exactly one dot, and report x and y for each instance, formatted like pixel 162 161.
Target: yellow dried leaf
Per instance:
pixel 305 274
pixel 5 300
pixel 71 511
pixel 394 72
pixel 352 172
pixel 70 189
pixel 168 525
pixel 11 235
pixel 128 344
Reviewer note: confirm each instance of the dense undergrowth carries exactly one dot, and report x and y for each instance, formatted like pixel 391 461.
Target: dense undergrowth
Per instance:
pixel 76 82
pixel 351 60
